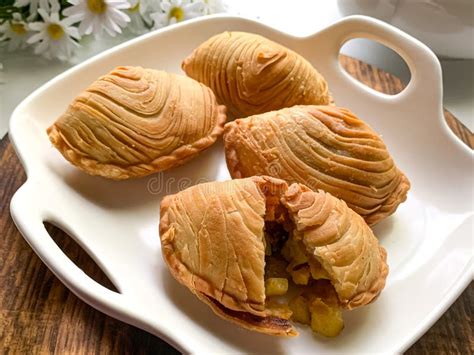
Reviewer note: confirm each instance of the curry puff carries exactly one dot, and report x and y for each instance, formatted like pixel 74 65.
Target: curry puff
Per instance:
pixel 134 121
pixel 322 147
pixel 251 74
pixel 255 238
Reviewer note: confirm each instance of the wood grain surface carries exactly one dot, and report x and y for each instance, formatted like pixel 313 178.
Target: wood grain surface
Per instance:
pixel 40 315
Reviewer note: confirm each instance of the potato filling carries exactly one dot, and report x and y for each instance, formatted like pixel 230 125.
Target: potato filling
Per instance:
pixel 296 285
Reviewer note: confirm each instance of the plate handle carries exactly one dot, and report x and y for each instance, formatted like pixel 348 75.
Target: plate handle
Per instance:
pixel 425 85
pixel 29 218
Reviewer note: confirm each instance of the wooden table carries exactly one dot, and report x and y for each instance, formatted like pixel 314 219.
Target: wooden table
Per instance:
pixel 40 315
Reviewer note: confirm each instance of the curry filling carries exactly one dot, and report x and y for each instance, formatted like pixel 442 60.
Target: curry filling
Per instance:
pixel 297 287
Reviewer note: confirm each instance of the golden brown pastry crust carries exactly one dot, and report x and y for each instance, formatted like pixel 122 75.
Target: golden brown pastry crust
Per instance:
pixel 322 147
pixel 340 240
pixel 133 122
pixel 267 324
pixel 217 250
pixel 251 74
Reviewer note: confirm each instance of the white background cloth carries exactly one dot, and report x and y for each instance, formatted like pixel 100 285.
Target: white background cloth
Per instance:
pixel 22 72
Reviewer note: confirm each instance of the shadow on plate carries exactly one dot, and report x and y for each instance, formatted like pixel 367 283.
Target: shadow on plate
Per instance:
pixel 384 228
pixel 128 194
pixel 242 339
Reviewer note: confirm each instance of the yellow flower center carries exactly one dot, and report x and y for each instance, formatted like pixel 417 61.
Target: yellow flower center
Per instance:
pixel 135 8
pixel 55 31
pixel 177 13
pixel 18 28
pixel 97 6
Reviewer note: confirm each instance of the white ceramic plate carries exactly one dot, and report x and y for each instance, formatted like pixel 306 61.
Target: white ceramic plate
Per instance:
pixel 428 239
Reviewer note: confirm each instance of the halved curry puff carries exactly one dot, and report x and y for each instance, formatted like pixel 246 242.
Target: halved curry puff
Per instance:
pixel 238 244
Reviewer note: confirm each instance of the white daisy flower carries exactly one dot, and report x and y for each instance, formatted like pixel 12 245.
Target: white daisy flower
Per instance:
pixel 95 16
pixel 213 7
pixel 174 11
pixel 137 23
pixel 14 33
pixel 148 7
pixel 55 37
pixel 32 9
pixel 34 5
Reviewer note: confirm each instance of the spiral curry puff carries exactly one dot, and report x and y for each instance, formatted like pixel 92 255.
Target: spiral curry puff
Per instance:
pixel 322 147
pixel 251 74
pixel 135 121
pixel 255 237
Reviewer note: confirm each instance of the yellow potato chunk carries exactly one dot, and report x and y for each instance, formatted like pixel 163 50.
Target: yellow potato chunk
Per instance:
pixel 276 286
pixel 294 252
pixel 298 253
pixel 325 320
pixel 300 309
pixel 301 276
